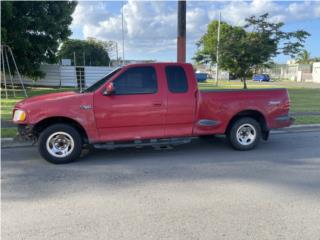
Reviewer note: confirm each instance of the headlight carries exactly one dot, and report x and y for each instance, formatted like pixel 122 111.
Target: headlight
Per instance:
pixel 19 115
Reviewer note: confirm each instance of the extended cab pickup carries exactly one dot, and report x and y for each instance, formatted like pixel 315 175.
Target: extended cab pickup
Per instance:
pixel 148 104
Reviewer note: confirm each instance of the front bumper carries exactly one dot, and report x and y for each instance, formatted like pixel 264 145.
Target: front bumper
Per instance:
pixel 25 132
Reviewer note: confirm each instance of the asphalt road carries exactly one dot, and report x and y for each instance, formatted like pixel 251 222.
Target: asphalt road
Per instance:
pixel 203 190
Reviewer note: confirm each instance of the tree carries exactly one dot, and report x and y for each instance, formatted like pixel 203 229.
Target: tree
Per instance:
pixel 244 48
pixel 34 30
pixel 315 59
pixel 304 57
pixel 91 52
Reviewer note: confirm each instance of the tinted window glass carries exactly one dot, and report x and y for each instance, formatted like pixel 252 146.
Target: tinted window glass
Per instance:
pixel 137 80
pixel 177 80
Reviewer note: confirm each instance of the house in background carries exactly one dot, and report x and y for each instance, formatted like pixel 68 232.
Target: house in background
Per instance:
pixel 211 71
pixel 65 75
pixel 295 72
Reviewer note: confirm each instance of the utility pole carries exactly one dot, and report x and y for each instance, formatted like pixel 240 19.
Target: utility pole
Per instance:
pixel 117 53
pixel 74 59
pixel 217 55
pixel 181 41
pixel 122 34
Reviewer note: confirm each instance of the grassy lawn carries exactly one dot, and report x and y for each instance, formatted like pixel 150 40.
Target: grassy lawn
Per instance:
pixel 307 119
pixel 304 98
pixel 8 132
pixel 8 104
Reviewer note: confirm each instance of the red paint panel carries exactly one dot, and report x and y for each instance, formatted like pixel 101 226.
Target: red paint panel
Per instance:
pixel 156 115
pixel 65 104
pixel 125 117
pixel 181 106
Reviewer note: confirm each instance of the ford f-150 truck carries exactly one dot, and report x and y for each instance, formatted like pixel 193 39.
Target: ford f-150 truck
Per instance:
pixel 148 104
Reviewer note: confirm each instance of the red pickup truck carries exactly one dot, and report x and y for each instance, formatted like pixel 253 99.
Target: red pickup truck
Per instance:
pixel 148 104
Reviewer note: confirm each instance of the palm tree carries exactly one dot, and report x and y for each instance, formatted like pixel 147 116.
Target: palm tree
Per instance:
pixel 304 57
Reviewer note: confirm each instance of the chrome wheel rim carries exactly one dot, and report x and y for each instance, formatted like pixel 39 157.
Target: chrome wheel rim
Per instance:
pixel 246 134
pixel 60 144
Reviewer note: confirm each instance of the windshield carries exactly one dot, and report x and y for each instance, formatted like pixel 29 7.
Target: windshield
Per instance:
pixel 102 81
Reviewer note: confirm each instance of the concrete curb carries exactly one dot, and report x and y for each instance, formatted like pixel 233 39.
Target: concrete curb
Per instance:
pixel 297 128
pixel 13 143
pixel 316 125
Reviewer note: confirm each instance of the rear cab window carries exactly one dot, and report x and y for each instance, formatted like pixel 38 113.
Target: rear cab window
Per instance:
pixel 176 79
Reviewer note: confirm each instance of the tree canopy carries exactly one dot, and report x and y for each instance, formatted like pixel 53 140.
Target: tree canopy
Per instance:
pixel 244 48
pixel 90 52
pixel 304 57
pixel 34 30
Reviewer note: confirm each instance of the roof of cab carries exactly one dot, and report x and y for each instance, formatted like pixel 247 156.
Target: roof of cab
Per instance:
pixel 156 64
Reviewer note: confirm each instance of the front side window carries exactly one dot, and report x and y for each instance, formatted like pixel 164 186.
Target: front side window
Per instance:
pixel 177 79
pixel 102 81
pixel 136 80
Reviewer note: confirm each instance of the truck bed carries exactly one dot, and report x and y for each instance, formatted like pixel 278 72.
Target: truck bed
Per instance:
pixel 221 105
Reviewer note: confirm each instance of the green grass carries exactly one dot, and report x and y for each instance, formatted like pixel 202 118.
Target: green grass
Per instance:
pixel 307 119
pixel 235 84
pixel 302 99
pixel 223 84
pixel 8 104
pixel 8 132
pixel 305 100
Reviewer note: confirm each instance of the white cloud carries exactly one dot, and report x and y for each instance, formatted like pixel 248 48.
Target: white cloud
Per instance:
pixel 146 26
pixel 90 13
pixel 236 12
pixel 317 11
pixel 150 27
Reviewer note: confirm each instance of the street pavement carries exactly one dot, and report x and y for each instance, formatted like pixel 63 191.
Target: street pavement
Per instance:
pixel 202 190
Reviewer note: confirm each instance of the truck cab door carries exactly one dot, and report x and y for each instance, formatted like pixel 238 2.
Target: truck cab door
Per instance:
pixel 181 100
pixel 136 109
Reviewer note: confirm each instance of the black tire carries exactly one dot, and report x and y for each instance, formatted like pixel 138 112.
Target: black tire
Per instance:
pixel 250 128
pixel 70 132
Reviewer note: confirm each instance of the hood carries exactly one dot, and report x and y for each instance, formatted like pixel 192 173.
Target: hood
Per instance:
pixel 46 98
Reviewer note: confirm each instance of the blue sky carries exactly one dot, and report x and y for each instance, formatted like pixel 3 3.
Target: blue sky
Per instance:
pixel 150 26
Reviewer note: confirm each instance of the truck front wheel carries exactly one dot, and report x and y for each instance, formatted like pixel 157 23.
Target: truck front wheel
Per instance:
pixel 60 143
pixel 244 134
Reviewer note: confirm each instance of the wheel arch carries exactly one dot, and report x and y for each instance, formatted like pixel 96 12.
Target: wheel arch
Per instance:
pixel 255 114
pixel 41 125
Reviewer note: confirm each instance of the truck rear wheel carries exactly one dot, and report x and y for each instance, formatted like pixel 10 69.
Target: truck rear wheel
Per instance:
pixel 244 134
pixel 60 143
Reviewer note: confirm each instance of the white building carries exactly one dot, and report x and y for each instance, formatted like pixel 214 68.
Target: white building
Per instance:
pixel 295 72
pixel 316 72
pixel 67 76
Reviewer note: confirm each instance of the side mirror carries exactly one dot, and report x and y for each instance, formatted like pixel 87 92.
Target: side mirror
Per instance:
pixel 109 90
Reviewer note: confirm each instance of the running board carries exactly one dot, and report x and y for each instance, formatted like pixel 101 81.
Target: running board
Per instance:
pixel 143 143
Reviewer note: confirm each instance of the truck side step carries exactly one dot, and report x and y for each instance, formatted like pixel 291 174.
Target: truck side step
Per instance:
pixel 143 143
